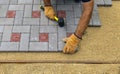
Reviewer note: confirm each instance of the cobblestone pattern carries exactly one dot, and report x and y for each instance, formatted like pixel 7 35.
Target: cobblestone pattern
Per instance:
pixel 24 27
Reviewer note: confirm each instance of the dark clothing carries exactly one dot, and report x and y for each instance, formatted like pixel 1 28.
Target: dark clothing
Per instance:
pixel 86 0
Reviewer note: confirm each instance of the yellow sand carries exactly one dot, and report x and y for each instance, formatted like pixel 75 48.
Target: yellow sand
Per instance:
pixel 99 44
pixel 59 69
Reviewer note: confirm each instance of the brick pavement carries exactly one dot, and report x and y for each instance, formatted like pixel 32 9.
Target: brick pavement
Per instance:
pixel 24 27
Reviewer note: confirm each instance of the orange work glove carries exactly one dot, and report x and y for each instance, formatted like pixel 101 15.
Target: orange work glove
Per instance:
pixel 72 43
pixel 49 12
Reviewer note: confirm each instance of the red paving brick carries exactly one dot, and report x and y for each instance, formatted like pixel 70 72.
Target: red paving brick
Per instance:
pixel 15 37
pixel 36 14
pixel 11 14
pixel 43 37
pixel 61 13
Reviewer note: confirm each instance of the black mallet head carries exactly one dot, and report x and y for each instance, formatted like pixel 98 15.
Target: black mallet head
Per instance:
pixel 61 22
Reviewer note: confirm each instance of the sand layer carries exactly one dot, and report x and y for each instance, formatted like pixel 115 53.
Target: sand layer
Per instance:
pixel 47 68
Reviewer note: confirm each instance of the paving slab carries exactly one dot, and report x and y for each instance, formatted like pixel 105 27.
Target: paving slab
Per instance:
pixel 24 42
pixel 24 26
pixel 3 10
pixel 28 11
pixel 9 46
pixel 34 35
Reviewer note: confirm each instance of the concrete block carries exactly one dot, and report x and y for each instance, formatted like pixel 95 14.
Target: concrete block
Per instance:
pixel 24 42
pixel 53 42
pixel 21 29
pixel 34 33
pixel 38 46
pixel 9 46
pixel 7 33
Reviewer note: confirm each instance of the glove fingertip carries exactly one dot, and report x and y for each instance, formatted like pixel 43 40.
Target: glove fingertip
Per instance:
pixel 64 49
pixel 64 40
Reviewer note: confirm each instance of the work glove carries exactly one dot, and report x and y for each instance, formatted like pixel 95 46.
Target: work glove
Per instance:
pixel 71 45
pixel 49 12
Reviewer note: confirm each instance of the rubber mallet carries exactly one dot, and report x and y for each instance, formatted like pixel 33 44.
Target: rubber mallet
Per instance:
pixel 60 20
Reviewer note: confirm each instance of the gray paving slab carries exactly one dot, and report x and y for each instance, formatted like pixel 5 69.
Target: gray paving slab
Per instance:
pixel 0 38
pixel 100 2
pixel 41 2
pixel 65 7
pixel 25 1
pixel 16 7
pixel 76 21
pixel 7 33
pixel 61 35
pixel 31 21
pixel 95 8
pixel 53 42
pixel 18 18
pixel 21 29
pixel 108 2
pixel 13 2
pixel 1 29
pixel 48 29
pixel 5 21
pixel 7 24
pixel 53 2
pixel 71 28
pixel 70 17
pixel 71 2
pixel 103 2
pixel 36 8
pixel 44 19
pixel 28 11
pixel 34 35
pixel 9 46
pixel 60 2
pixel 52 23
pixel 3 10
pixel 24 42
pixel 38 46
pixel 96 19
pixel 37 1
pixel 61 45
pixel 4 1
pixel 77 10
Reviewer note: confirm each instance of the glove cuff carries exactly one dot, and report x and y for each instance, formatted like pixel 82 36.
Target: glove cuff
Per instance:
pixel 78 37
pixel 47 3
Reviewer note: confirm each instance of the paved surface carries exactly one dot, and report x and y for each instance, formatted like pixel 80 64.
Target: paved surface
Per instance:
pixel 23 26
pixel 103 2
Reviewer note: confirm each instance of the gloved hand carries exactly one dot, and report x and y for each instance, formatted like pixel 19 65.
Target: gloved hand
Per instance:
pixel 49 12
pixel 72 43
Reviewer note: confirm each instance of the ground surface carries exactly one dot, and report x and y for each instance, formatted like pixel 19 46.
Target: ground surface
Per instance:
pixel 59 69
pixel 99 44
